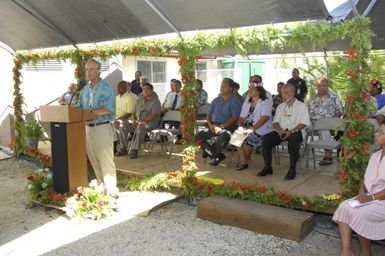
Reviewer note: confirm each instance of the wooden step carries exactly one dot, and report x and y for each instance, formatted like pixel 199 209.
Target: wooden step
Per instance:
pixel 272 220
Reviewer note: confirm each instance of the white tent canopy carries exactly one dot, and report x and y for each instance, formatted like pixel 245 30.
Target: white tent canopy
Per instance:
pixel 30 24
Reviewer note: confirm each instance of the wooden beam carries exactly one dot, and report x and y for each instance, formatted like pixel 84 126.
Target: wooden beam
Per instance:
pixel 272 220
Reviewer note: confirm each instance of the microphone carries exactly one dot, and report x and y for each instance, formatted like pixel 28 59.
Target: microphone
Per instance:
pixel 81 83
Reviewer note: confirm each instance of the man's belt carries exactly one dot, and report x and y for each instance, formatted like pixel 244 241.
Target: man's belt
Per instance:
pixel 92 125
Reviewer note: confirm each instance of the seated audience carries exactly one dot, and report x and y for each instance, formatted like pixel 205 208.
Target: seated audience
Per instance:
pixel 202 94
pixel 367 221
pixel 324 104
pixel 380 115
pixel 66 97
pixel 376 92
pixel 258 79
pixel 291 117
pixel 145 117
pixel 236 92
pixel 125 105
pixel 221 121
pixel 174 100
pixel 166 99
pixel 135 84
pixel 255 121
pixel 277 99
pixel 299 84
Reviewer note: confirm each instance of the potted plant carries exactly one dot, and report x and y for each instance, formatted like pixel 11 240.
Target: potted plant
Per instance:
pixel 33 133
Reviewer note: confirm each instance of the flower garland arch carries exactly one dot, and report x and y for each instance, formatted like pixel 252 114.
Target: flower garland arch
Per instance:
pixel 359 132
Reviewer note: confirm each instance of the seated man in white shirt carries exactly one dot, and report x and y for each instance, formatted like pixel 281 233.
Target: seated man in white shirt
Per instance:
pixel 291 117
pixel 168 94
pixel 174 99
pixel 125 105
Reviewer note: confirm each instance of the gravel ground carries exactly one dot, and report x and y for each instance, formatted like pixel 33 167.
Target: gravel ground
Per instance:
pixel 172 230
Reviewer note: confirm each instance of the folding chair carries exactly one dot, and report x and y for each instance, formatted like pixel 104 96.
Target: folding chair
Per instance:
pixel 323 124
pixel 171 133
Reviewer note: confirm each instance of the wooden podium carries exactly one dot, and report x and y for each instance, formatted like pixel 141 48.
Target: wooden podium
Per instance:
pixel 68 145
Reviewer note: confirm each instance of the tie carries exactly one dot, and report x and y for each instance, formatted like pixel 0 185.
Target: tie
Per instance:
pixel 174 102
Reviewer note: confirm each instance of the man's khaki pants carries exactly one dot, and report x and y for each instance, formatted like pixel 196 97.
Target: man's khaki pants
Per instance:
pixel 100 153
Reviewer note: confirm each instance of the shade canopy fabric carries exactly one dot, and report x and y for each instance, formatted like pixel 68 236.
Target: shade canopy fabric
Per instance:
pixel 31 24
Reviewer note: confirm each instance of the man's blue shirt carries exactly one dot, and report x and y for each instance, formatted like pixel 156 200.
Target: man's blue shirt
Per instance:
pixel 380 100
pixel 102 96
pixel 222 110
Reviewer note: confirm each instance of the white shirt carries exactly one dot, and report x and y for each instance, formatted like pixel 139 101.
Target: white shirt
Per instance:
pixel 289 117
pixel 170 100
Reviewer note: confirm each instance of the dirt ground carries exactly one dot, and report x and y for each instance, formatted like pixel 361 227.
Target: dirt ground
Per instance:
pixel 16 220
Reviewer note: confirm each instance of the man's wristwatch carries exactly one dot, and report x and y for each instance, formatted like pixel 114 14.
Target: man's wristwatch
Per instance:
pixel 222 126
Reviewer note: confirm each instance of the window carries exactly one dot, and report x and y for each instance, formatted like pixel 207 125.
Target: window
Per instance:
pixel 49 65
pixel 201 71
pixel 154 70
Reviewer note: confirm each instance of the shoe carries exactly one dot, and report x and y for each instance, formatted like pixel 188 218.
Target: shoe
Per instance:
pixel 242 167
pixel 134 154
pixel 218 159
pixel 290 174
pixel 115 196
pixel 267 170
pixel 326 161
pixel 121 153
pixel 204 154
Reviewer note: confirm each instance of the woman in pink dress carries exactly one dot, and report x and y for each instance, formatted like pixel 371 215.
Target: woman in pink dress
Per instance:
pixel 368 221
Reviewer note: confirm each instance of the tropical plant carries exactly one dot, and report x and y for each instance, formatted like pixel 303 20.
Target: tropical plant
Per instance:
pixel 38 185
pixel 33 129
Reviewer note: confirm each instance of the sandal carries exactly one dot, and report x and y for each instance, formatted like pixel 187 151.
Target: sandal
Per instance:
pixel 326 161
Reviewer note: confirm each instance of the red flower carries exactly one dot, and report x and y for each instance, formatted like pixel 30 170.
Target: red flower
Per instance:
pixel 209 187
pixel 134 50
pixel 184 77
pixel 222 186
pixel 359 70
pixel 100 203
pixel 353 133
pixel 344 175
pixel 352 53
pixel 365 150
pixel 261 188
pixel 153 48
pixel 351 75
pixel 234 185
pixel 84 204
pixel 172 175
pixel 18 62
pixel 181 61
pixel 306 202
pixel 30 177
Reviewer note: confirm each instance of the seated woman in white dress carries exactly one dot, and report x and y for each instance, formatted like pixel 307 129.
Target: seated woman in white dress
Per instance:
pixel 255 120
pixel 368 221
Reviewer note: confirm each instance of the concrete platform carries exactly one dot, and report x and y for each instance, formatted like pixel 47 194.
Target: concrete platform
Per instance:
pixel 309 181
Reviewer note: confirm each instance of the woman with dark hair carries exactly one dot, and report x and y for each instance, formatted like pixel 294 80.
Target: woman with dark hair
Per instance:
pixel 254 121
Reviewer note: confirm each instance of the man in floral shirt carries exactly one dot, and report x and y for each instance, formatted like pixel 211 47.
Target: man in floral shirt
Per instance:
pixel 324 104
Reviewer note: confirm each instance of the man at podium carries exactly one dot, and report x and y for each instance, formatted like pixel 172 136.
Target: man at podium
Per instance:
pixel 99 98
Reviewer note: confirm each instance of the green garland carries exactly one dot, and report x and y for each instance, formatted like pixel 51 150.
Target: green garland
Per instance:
pixel 245 42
